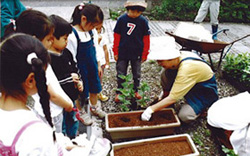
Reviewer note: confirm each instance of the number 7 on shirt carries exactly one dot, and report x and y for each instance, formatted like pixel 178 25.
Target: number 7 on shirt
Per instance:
pixel 131 28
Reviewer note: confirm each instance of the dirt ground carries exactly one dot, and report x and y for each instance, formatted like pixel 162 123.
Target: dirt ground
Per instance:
pixel 205 142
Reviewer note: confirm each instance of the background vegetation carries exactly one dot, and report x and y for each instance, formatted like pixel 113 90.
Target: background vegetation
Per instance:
pixel 237 70
pixel 186 10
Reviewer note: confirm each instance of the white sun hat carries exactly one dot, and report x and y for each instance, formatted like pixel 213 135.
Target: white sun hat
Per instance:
pixel 163 48
pixel 140 3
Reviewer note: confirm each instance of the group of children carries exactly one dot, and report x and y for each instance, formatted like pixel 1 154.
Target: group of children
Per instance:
pixel 57 63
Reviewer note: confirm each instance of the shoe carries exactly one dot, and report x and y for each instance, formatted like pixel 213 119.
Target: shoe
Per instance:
pixel 214 32
pixel 117 98
pixel 97 111
pixel 85 118
pixel 102 97
pixel 137 96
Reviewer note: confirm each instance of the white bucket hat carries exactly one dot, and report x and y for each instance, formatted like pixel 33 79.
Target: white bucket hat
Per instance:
pixel 163 48
pixel 136 3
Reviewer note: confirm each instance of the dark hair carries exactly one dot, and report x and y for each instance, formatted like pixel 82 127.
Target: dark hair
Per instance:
pixel 15 68
pixel 62 27
pixel 31 22
pixel 92 12
pixel 139 8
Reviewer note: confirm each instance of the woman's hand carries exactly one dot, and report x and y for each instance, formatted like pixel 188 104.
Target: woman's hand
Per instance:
pixel 146 115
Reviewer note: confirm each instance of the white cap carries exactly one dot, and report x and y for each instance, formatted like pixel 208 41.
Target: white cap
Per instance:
pixel 163 48
pixel 140 3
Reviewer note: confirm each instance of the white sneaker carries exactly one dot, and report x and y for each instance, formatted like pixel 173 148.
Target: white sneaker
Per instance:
pixel 85 118
pixel 97 110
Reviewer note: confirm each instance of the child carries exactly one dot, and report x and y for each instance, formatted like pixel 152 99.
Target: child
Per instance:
pixel 101 54
pixel 131 43
pixel 10 10
pixel 68 76
pixel 37 24
pixel 23 59
pixel 23 63
pixel 85 18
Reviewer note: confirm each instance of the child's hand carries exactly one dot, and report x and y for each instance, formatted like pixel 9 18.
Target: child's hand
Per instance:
pixel 107 66
pixel 80 86
pixel 69 107
pixel 116 57
pixel 75 77
pixel 143 60
pixel 99 39
pixel 100 73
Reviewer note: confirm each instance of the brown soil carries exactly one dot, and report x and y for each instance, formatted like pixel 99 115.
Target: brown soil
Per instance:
pixel 134 119
pixel 164 148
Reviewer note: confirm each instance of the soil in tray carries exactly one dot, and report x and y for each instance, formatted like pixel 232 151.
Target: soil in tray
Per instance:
pixel 164 148
pixel 134 119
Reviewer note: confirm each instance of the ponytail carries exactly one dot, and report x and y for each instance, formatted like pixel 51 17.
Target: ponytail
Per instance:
pixel 37 68
pixel 21 55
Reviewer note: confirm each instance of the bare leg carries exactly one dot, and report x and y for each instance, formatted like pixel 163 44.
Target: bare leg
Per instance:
pixel 93 98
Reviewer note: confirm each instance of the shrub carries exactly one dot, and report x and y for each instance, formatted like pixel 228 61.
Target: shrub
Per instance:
pixel 237 67
pixel 175 10
pixel 234 11
pixel 114 14
pixel 186 10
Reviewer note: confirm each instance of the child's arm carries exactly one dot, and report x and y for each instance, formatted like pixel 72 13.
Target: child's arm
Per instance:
pixel 146 42
pixel 105 49
pixel 100 73
pixel 117 38
pixel 59 100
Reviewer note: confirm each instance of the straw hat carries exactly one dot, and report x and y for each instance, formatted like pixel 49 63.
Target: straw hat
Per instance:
pixel 135 3
pixel 163 48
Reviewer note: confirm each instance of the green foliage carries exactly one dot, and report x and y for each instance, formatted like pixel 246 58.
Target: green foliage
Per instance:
pixel 142 91
pixel 235 11
pixel 175 10
pixel 128 92
pixel 186 10
pixel 237 66
pixel 114 14
pixel 228 152
pixel 207 132
pixel 197 140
